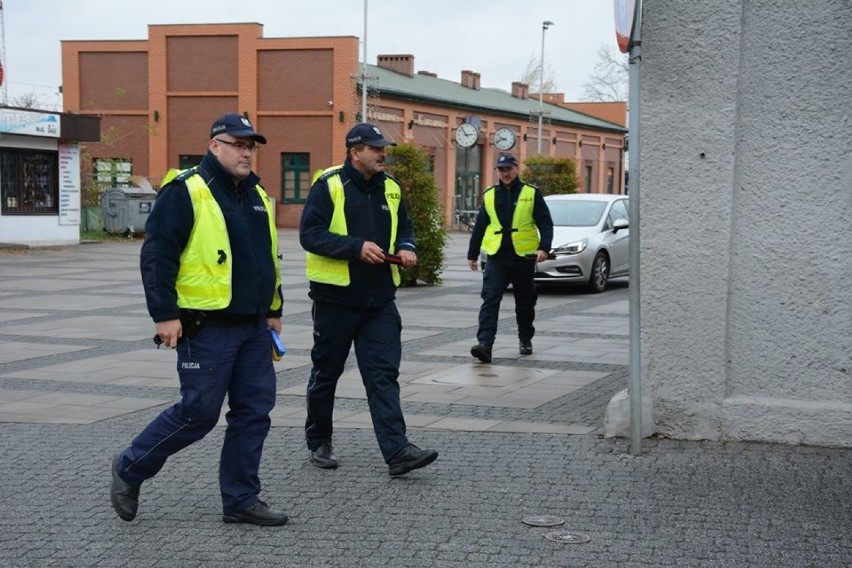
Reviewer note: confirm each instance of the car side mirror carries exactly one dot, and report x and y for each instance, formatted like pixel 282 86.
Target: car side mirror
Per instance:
pixel 620 224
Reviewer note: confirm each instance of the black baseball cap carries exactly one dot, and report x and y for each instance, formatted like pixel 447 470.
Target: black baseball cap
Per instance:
pixel 506 161
pixel 237 126
pixel 369 134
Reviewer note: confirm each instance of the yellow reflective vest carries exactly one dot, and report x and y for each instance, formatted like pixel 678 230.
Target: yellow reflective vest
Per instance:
pixel 204 276
pixel 525 237
pixel 336 270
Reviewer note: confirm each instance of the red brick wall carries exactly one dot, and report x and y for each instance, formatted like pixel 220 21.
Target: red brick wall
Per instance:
pixel 202 63
pixel 114 81
pixel 190 120
pixel 124 137
pixel 295 79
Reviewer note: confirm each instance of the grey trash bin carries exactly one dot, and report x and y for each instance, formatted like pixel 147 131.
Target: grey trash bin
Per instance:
pixel 126 209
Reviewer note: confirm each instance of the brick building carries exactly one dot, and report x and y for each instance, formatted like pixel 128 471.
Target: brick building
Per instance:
pixel 157 98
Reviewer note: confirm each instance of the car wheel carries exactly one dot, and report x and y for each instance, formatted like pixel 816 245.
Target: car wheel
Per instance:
pixel 600 274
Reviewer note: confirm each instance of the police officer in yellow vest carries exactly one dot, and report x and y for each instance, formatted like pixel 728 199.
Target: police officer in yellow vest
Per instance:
pixel 353 218
pixel 514 228
pixel 212 283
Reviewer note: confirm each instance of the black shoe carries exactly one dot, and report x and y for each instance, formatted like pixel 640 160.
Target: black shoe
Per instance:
pixel 482 352
pixel 258 514
pixel 410 457
pixel 124 496
pixel 525 347
pixel 324 457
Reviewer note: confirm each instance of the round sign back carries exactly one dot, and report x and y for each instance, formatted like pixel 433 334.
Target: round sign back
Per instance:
pixel 625 19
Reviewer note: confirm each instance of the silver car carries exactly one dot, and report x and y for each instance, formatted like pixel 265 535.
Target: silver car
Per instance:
pixel 590 240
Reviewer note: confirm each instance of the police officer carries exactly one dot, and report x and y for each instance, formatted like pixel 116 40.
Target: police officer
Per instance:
pixel 354 216
pixel 212 283
pixel 514 228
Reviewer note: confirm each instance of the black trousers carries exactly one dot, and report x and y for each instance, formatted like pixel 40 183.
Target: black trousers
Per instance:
pixel 499 273
pixel 376 334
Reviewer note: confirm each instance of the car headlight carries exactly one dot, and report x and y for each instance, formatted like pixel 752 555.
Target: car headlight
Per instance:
pixel 571 248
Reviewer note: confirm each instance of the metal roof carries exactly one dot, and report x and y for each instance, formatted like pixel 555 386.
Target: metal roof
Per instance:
pixel 428 89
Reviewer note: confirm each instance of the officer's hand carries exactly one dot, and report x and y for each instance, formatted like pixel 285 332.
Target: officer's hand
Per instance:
pixel 371 253
pixel 473 265
pixel 170 331
pixel 541 256
pixel 274 323
pixel 409 258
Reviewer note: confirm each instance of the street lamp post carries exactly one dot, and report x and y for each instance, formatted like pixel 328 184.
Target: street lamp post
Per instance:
pixel 544 25
pixel 364 70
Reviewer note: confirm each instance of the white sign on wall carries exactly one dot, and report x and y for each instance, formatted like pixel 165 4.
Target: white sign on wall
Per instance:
pixel 69 183
pixel 29 122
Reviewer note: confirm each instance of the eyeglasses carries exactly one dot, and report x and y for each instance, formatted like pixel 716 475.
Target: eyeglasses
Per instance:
pixel 253 148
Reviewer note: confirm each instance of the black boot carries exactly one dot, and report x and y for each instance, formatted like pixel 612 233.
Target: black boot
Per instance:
pixel 482 352
pixel 258 514
pixel 410 457
pixel 123 496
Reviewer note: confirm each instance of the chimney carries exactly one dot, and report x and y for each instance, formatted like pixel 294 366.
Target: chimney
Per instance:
pixel 470 80
pixel 427 73
pixel 520 90
pixel 402 64
pixel 554 98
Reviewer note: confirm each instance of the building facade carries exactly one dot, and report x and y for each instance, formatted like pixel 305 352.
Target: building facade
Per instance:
pixel 157 98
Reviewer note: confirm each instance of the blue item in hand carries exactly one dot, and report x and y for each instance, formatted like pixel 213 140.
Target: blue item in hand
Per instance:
pixel 277 344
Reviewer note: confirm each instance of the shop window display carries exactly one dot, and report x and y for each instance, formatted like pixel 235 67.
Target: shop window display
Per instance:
pixel 29 182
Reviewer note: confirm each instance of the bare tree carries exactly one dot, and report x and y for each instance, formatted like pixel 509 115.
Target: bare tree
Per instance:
pixel 27 100
pixel 609 81
pixel 34 99
pixel 532 76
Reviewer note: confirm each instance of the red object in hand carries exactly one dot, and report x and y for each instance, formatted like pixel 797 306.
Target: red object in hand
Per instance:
pixel 393 259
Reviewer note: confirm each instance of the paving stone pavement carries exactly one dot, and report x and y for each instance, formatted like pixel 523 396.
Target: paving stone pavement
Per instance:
pixel 79 377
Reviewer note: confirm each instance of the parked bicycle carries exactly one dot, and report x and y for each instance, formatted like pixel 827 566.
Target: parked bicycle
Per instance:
pixel 465 219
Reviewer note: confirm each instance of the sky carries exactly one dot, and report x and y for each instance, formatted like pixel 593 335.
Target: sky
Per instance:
pixel 497 39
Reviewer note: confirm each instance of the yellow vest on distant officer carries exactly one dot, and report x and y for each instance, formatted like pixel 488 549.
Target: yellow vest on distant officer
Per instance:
pixel 336 270
pixel 204 276
pixel 524 232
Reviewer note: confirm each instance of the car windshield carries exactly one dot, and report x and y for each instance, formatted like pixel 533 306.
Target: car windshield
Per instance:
pixel 575 213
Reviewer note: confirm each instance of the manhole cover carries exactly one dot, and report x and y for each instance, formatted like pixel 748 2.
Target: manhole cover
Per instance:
pixel 568 537
pixel 543 521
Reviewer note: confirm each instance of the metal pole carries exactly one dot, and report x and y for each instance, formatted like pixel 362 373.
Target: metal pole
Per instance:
pixel 544 26
pixel 364 70
pixel 633 191
pixel 3 68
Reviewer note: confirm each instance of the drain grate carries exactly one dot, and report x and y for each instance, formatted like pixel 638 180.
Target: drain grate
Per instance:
pixel 543 521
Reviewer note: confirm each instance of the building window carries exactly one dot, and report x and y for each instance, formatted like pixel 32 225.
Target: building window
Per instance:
pixel 295 176
pixel 610 178
pixel 30 182
pixel 113 172
pixel 587 179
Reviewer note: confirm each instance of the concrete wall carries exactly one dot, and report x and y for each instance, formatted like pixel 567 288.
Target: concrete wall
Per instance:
pixel 746 203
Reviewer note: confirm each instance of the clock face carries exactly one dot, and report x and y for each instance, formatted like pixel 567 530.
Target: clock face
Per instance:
pixel 466 135
pixel 504 139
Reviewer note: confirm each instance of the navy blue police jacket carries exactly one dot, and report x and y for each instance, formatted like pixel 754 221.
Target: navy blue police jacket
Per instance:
pixel 167 233
pixel 367 219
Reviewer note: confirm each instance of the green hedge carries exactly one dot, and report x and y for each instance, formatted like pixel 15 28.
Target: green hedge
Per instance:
pixel 550 174
pixel 409 165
